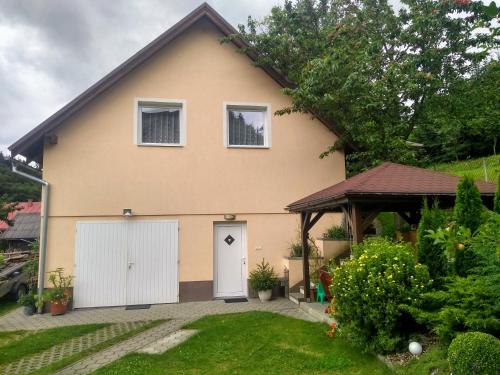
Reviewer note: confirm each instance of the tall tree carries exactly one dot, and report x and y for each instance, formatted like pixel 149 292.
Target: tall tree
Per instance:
pixel 468 205
pixel 369 69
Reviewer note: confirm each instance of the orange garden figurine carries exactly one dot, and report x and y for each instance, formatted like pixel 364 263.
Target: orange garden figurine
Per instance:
pixel 332 331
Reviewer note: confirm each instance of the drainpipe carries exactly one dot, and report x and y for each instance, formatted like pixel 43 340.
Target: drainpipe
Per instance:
pixel 43 239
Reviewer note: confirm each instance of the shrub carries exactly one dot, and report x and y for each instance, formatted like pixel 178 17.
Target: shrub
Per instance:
pixel 474 353
pixel 336 232
pixel 468 205
pixel 430 253
pixel 371 289
pixel 296 249
pixel 496 205
pixel 465 304
pixel 263 277
pixel 2 260
pixel 388 224
pixel 480 257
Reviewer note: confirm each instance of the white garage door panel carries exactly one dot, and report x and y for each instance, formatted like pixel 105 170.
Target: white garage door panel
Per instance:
pixel 126 263
pixel 152 274
pixel 101 258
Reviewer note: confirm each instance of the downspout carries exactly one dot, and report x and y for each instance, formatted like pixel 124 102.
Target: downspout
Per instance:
pixel 43 239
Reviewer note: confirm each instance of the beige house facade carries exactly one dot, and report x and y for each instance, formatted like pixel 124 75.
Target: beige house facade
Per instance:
pixel 169 182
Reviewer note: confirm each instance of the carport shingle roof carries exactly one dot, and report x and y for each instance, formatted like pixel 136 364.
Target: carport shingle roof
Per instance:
pixel 26 226
pixel 391 179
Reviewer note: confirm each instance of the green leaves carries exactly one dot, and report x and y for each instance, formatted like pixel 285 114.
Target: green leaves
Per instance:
pixel 372 71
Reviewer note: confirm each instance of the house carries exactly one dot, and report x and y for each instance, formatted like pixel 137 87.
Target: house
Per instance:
pixel 170 176
pixel 25 227
pixel 24 231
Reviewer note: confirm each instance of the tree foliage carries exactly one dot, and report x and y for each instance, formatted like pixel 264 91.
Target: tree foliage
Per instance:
pixel 14 188
pixel 369 69
pixel 430 253
pixel 468 205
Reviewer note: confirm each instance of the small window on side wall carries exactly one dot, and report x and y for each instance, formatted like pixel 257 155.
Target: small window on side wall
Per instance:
pixel 161 123
pixel 247 125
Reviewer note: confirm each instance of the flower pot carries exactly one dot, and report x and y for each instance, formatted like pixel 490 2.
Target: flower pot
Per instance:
pixel 265 295
pixel 58 307
pixel 29 310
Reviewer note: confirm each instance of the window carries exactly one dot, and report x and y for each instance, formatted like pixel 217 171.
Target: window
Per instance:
pixel 247 125
pixel 160 123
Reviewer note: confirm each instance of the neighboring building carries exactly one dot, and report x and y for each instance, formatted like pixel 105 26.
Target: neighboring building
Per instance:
pixel 184 135
pixel 25 227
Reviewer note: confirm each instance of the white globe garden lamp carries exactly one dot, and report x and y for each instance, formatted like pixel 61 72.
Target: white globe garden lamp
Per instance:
pixel 415 348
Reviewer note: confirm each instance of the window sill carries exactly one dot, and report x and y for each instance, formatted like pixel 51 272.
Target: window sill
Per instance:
pixel 252 147
pixel 159 145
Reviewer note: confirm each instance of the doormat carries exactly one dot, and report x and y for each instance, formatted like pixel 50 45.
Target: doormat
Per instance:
pixel 235 300
pixel 137 307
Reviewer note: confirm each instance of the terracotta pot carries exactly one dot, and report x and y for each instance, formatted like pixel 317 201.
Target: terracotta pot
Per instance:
pixel 58 307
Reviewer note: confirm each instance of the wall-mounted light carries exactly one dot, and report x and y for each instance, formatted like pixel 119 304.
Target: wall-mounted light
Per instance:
pixel 229 216
pixel 127 212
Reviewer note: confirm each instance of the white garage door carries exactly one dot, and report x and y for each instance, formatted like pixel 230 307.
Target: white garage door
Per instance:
pixel 126 263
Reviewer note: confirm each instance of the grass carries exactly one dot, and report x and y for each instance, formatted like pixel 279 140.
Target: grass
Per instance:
pixel 74 358
pixel 16 345
pixel 254 343
pixel 473 167
pixel 7 305
pixel 432 361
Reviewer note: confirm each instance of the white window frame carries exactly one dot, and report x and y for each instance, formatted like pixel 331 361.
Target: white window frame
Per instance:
pixel 180 103
pixel 248 106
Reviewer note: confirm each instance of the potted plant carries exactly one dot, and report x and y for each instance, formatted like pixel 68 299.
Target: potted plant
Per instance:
pixel 29 301
pixel 262 280
pixel 59 295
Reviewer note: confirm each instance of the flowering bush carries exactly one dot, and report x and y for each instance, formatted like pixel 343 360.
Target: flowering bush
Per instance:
pixel 371 290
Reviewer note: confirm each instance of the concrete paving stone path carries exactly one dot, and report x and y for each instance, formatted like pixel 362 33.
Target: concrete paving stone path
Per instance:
pixel 29 364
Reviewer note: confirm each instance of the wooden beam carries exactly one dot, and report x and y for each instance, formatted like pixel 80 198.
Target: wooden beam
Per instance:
pixel 315 219
pixel 305 221
pixel 51 139
pixel 369 218
pixel 357 230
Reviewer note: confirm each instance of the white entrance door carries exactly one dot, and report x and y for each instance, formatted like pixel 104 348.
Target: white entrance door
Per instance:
pixel 126 263
pixel 230 260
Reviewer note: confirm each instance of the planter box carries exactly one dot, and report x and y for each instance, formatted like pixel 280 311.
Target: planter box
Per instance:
pixel 410 237
pixel 333 248
pixel 296 272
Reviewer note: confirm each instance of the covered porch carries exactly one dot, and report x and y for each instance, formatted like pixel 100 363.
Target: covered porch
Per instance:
pixel 389 187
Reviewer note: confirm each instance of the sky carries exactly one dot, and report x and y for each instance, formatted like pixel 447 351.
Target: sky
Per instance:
pixel 52 50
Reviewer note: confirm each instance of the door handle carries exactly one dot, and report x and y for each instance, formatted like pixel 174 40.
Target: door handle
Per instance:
pixel 130 264
pixel 244 261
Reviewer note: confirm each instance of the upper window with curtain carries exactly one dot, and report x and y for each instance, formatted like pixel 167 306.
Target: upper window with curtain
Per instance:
pixel 160 123
pixel 247 125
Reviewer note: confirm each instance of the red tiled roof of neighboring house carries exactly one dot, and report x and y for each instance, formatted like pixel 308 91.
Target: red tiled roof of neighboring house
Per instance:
pixel 28 207
pixel 392 179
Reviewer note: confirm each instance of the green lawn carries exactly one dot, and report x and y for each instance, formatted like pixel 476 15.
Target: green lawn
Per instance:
pixel 254 343
pixel 473 167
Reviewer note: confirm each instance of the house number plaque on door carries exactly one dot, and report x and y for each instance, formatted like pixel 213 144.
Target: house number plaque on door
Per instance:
pixel 229 239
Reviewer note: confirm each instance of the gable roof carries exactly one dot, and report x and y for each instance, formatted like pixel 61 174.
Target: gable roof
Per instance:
pixel 31 144
pixel 391 179
pixel 26 226
pixel 28 207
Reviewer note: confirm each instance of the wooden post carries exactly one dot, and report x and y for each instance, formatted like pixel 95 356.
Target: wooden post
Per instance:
pixel 357 225
pixel 304 226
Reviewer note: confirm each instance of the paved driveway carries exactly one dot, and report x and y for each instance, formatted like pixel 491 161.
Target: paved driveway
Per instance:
pixel 16 320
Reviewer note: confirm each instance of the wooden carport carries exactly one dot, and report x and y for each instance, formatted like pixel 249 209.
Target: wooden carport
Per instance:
pixel 389 187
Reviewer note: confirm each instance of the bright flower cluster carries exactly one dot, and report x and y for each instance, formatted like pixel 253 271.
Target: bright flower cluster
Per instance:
pixel 371 288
